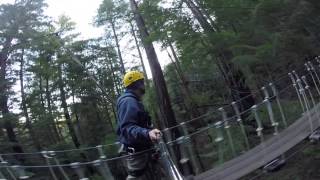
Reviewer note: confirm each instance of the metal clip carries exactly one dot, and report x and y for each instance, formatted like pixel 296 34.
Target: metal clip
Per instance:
pixel 131 150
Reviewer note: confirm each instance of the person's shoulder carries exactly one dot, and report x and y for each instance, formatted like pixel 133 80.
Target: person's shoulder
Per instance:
pixel 128 97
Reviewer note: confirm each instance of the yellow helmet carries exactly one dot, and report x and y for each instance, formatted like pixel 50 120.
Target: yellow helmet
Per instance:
pixel 131 77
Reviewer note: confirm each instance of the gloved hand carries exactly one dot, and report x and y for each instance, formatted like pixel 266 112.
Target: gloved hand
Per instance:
pixel 155 135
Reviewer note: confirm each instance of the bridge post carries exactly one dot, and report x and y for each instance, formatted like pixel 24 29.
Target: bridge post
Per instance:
pixel 313 79
pixel 103 164
pixel 306 101
pixel 219 140
pixel 122 162
pixel 259 128
pixel 79 170
pixel 307 87
pixel 239 120
pixel 314 70
pixel 47 158
pixel 274 123
pixel 5 163
pixel 297 90
pixel 185 156
pixel 20 172
pixel 100 165
pixel 318 61
pixel 227 128
pixel 258 121
pixel 266 100
pixel 168 137
pixel 100 151
pixel 194 161
pixel 275 93
pixel 172 170
pixel 1 174
pixel 53 156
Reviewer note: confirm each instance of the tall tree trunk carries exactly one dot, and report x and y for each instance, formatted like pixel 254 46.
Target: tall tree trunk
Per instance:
pixel 41 90
pixel 54 130
pixel 235 79
pixel 205 13
pixel 24 105
pixel 75 112
pixel 166 112
pixel 199 16
pixel 139 51
pixel 115 82
pixel 81 139
pixel 65 108
pixel 113 111
pixel 158 78
pixel 191 104
pixel 123 70
pixel 109 118
pixel 50 136
pixel 4 98
pixel 236 82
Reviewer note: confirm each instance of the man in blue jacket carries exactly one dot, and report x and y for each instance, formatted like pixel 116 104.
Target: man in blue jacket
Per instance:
pixel 134 129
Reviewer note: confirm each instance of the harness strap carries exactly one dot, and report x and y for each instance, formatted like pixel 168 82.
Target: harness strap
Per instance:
pixel 138 173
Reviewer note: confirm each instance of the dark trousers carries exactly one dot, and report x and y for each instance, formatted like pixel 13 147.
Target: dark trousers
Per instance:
pixel 144 167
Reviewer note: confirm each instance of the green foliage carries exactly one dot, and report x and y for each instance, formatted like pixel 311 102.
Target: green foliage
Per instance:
pixel 150 102
pixel 313 152
pixel 13 118
pixel 261 39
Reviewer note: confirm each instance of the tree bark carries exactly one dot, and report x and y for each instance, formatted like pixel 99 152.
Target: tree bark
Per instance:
pixel 123 70
pixel 53 127
pixel 65 108
pixel 205 13
pixel 4 98
pixel 199 16
pixel 24 105
pixel 115 82
pixel 139 52
pixel 75 112
pixel 109 120
pixel 161 89
pixel 50 136
pixel 41 91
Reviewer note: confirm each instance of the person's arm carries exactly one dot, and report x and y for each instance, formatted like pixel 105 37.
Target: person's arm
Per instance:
pixel 128 115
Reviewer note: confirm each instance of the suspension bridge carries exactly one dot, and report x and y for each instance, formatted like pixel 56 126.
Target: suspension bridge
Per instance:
pixel 286 112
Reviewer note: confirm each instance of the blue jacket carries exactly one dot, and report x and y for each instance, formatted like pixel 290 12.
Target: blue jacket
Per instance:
pixel 134 123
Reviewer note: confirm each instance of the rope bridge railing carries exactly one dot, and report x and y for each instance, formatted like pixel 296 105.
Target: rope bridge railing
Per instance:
pixel 58 171
pixel 230 132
